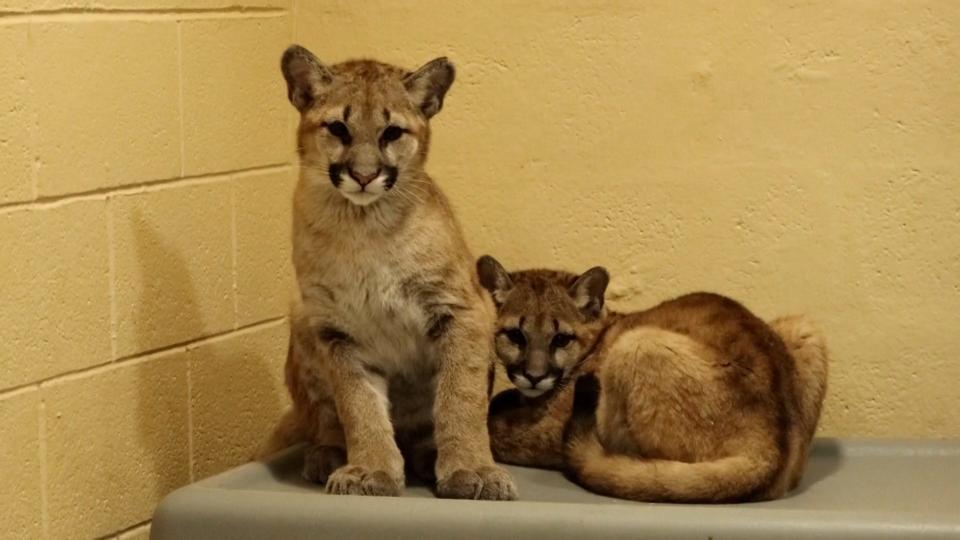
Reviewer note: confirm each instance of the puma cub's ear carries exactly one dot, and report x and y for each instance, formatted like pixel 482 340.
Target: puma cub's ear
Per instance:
pixel 429 84
pixel 494 278
pixel 587 291
pixel 306 76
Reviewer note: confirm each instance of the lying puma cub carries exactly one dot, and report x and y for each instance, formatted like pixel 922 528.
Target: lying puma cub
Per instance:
pixel 390 351
pixel 694 400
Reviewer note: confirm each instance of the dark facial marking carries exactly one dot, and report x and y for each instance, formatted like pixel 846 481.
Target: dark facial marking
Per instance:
pixel 346 114
pixel 515 335
pixel 560 341
pixel 391 177
pixel 390 134
pixel 386 115
pixel 339 130
pixel 335 169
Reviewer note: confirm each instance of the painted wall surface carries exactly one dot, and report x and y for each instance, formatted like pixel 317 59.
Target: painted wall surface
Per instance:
pixel 798 156
pixel 801 157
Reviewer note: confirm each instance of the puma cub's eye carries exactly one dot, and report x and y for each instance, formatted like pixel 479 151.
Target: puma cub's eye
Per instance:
pixel 561 340
pixel 391 133
pixel 339 130
pixel 516 336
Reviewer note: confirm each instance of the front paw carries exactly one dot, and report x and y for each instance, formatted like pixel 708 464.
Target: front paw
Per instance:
pixel 359 480
pixel 490 483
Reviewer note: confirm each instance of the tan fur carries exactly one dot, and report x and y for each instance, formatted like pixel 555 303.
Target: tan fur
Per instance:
pixel 390 342
pixel 698 400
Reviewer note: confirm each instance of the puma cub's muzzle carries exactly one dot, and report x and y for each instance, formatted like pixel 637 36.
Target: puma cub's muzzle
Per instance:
pixel 363 188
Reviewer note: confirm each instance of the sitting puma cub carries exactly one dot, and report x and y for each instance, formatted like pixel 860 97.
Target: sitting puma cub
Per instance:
pixel 694 400
pixel 390 350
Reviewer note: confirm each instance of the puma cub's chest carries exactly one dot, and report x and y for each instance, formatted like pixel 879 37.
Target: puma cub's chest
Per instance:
pixel 369 302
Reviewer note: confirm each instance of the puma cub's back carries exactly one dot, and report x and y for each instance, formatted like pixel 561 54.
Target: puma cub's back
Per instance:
pixel 693 400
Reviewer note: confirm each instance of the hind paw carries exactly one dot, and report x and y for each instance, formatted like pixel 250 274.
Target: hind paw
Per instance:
pixel 320 461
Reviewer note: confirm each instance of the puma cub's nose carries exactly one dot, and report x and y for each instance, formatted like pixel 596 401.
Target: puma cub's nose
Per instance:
pixel 362 178
pixel 534 379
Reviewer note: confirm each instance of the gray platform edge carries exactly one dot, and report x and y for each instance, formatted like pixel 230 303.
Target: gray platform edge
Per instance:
pixel 208 510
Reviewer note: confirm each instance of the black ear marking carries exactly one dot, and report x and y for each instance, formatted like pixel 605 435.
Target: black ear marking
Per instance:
pixel 428 85
pixel 306 76
pixel 588 290
pixel 494 278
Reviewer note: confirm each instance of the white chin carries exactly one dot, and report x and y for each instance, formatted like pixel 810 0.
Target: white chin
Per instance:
pixel 361 198
pixel 531 392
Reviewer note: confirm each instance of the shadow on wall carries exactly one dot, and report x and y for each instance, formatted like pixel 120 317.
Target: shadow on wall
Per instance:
pixel 220 395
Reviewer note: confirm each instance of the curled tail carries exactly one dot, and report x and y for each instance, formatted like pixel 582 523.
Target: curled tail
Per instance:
pixel 808 347
pixel 729 479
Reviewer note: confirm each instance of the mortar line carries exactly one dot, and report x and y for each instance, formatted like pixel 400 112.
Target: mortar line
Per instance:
pixel 34 139
pixel 190 459
pixel 15 391
pixel 44 477
pixel 180 92
pixel 106 14
pixel 112 277
pixel 144 356
pixel 53 201
pixel 233 251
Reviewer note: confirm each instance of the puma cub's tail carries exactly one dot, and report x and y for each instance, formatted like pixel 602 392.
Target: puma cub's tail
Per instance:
pixel 808 347
pixel 729 479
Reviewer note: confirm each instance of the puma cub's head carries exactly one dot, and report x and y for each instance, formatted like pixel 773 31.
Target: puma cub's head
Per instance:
pixel 547 321
pixel 364 124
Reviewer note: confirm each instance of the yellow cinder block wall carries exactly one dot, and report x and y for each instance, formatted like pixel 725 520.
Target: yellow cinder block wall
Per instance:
pixel 146 167
pixel 802 158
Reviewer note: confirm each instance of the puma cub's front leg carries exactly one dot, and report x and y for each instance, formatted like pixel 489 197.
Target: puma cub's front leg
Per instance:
pixel 374 463
pixel 465 467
